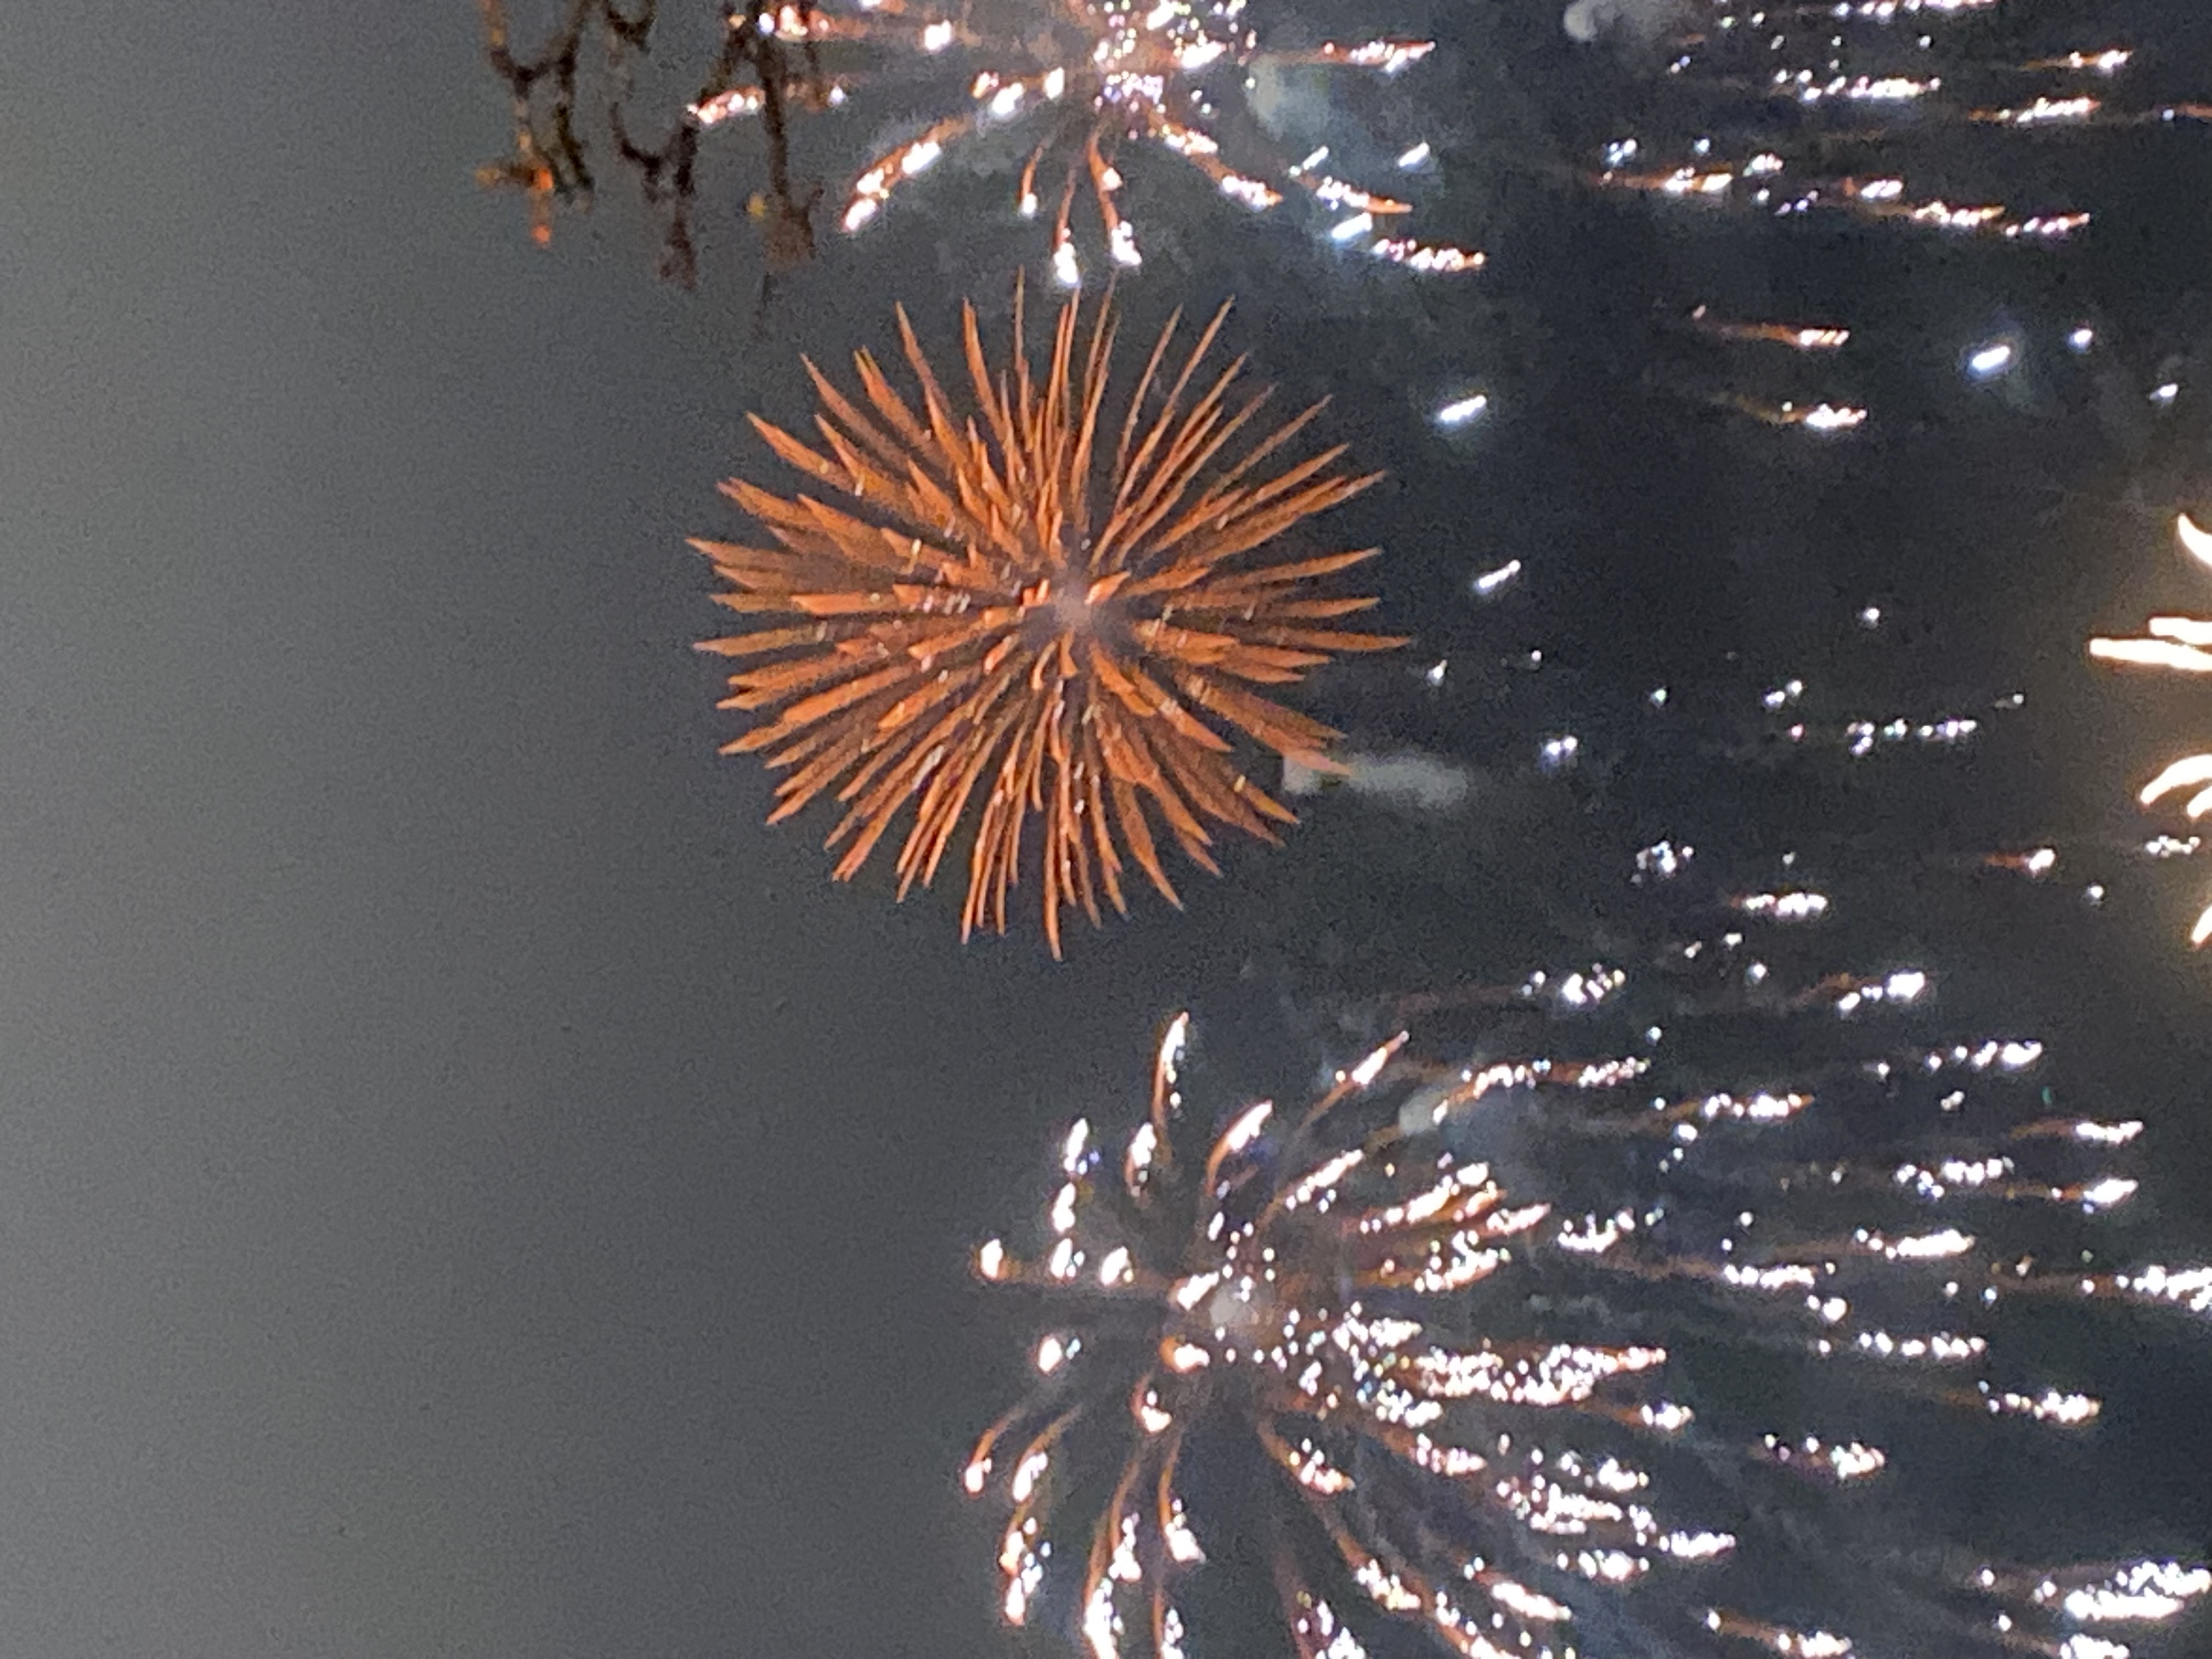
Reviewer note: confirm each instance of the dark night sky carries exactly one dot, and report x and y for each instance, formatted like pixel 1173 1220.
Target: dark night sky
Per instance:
pixel 465 1187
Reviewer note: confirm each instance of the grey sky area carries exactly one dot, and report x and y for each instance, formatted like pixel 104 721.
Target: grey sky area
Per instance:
pixel 448 1143
pixel 466 1188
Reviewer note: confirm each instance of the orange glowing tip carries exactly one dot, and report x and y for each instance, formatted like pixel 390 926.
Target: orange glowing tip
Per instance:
pixel 991 608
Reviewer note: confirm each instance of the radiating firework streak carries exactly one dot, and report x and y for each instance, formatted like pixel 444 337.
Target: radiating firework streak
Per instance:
pixel 991 606
pixel 2178 643
pixel 1423 1359
pixel 1146 73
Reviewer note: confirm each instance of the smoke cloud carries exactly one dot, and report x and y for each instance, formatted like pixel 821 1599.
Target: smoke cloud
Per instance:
pixel 1644 22
pixel 1404 781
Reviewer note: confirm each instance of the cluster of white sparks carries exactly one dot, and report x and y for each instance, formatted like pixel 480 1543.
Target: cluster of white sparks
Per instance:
pixel 1765 181
pixel 1876 82
pixel 1858 736
pixel 1141 72
pixel 2181 645
pixel 1310 1279
pixel 1803 52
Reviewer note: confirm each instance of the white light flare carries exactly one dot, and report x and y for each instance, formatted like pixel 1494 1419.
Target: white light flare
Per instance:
pixel 1986 363
pixel 1461 410
pixel 1493 582
pixel 2196 541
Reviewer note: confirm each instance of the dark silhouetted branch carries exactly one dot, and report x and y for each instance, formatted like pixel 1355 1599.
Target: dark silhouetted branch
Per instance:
pixel 752 72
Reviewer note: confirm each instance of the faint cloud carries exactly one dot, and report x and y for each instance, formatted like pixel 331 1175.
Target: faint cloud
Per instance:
pixel 1644 22
pixel 1404 781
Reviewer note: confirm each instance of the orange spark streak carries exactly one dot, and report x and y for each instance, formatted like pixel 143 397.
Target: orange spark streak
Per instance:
pixel 991 612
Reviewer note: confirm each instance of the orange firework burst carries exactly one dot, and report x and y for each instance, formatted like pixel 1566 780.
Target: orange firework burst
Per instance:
pixel 984 605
